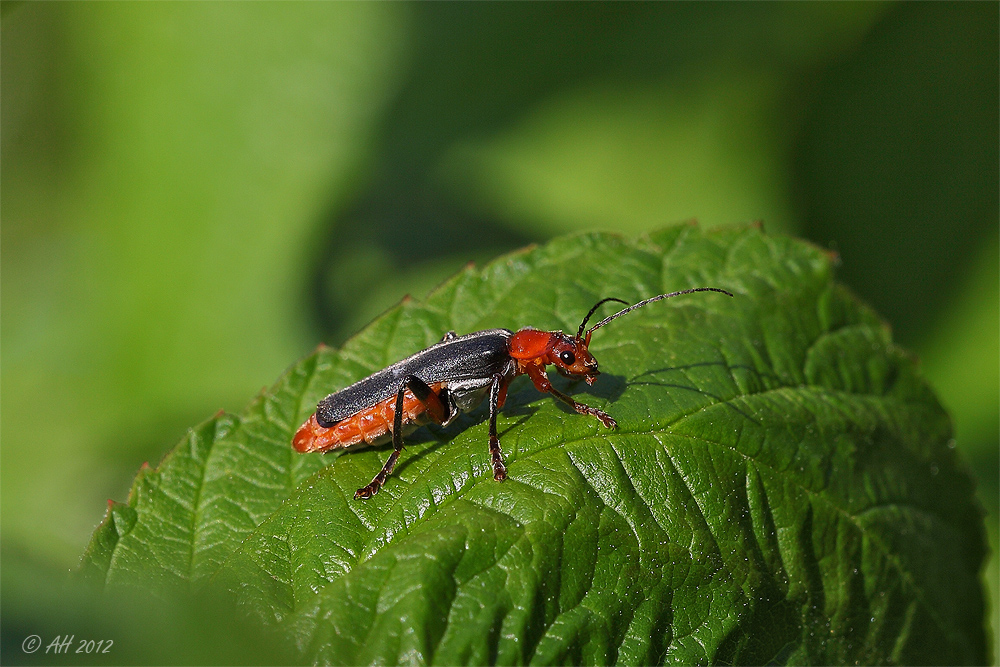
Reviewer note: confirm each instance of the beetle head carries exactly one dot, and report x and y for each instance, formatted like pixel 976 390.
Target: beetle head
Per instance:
pixel 570 356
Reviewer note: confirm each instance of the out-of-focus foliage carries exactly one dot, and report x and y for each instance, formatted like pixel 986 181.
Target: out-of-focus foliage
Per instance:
pixel 194 194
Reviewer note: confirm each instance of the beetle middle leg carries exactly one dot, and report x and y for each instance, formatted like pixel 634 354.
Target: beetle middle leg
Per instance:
pixel 498 392
pixel 436 409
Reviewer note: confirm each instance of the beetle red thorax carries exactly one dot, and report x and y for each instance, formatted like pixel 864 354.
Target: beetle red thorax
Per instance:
pixel 569 354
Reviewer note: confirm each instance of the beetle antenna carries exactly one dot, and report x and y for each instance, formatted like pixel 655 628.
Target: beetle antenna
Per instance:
pixel 593 310
pixel 643 303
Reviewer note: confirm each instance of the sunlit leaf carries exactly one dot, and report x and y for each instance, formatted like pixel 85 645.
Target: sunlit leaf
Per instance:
pixel 781 487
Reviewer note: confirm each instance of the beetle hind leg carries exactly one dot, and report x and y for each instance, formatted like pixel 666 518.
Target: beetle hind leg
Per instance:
pixel 435 408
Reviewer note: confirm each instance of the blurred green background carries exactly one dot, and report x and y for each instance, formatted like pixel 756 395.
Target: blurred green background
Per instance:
pixel 195 194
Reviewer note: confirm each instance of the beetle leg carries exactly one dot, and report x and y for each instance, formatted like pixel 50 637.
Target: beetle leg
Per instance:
pixel 497 387
pixel 584 409
pixel 542 383
pixel 397 447
pixel 448 336
pixel 435 408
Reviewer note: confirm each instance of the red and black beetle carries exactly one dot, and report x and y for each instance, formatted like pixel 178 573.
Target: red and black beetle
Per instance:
pixel 454 376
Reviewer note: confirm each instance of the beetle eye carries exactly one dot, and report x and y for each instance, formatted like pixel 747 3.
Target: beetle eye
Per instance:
pixel 567 357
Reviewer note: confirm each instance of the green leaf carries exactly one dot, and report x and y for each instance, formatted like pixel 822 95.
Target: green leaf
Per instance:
pixel 782 485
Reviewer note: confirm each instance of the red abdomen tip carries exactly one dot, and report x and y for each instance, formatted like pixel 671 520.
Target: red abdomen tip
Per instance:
pixel 307 437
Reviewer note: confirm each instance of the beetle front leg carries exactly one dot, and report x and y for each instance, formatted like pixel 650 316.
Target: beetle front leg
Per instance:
pixel 542 383
pixel 434 407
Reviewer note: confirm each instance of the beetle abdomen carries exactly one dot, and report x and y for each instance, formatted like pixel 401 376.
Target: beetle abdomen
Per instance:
pixel 365 427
